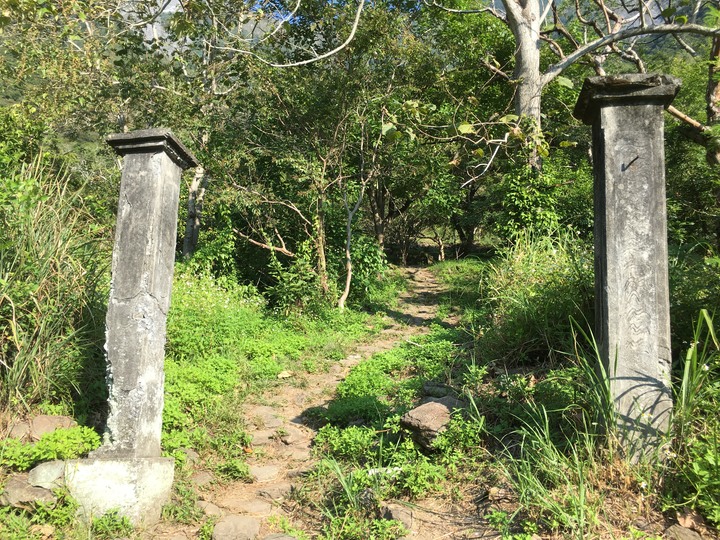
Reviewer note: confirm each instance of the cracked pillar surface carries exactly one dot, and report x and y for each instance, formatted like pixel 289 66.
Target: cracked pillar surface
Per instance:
pixel 142 271
pixel 632 306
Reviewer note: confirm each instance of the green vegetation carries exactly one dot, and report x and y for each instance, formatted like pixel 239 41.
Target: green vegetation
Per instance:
pixel 417 141
pixel 532 430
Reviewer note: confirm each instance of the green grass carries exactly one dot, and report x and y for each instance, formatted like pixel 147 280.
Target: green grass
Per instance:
pixel 538 410
pixel 50 294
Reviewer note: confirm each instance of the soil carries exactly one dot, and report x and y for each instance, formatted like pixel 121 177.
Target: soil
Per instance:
pixel 282 441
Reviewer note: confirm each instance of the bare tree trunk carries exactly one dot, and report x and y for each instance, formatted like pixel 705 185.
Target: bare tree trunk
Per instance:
pixel 712 97
pixel 196 197
pixel 320 245
pixel 523 17
pixel 377 209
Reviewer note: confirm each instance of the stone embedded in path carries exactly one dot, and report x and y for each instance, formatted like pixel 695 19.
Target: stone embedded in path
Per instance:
pixel 264 473
pixel 239 504
pixel 210 509
pixel 298 454
pixel 264 417
pixel 399 513
pixel 20 494
pixel 234 527
pixel 276 492
pixel 264 438
pixel 430 419
pixel 292 435
pixel 202 479
pixel 280 536
pixel 678 532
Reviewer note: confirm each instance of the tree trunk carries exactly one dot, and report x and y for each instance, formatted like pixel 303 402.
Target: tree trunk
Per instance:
pixel 320 245
pixel 523 17
pixel 194 217
pixel 348 276
pixel 377 210
pixel 712 97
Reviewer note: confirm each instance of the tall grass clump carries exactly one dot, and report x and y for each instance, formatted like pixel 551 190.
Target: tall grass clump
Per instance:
pixel 527 297
pixel 694 471
pixel 49 288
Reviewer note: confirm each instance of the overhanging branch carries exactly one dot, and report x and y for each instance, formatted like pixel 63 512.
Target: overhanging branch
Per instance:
pixel 555 70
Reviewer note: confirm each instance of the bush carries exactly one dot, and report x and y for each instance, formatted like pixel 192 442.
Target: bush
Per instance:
pixel 527 298
pixel 69 443
pixel 50 297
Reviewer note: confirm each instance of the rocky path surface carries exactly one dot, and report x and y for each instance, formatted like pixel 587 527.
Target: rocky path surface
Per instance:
pixel 282 440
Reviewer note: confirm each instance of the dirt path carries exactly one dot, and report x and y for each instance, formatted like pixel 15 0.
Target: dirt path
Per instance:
pixel 281 440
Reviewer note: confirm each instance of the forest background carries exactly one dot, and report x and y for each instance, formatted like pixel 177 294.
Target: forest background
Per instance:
pixel 432 132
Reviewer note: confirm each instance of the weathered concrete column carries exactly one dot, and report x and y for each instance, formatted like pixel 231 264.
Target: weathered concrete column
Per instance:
pixel 142 270
pixel 127 473
pixel 631 261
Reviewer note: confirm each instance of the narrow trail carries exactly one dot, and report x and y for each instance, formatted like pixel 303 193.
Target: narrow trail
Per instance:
pixel 282 440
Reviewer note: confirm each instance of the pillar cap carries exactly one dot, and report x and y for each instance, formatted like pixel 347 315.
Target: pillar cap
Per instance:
pixel 631 88
pixel 152 141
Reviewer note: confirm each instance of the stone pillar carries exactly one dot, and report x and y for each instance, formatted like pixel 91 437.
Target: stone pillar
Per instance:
pixel 631 261
pixel 142 270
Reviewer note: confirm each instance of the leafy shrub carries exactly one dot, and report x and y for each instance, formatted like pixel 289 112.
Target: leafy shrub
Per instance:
pixel 354 443
pixel 68 443
pixel 369 266
pixel 528 297
pixel 297 286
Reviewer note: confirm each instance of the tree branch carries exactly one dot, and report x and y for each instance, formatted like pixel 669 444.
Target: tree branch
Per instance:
pixel 280 249
pixel 555 69
pixel 353 30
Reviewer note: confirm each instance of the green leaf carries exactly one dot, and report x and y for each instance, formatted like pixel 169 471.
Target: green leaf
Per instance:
pixel 564 81
pixel 568 144
pixel 465 128
pixel 509 119
pixel 388 128
pixel 669 12
pixel 479 152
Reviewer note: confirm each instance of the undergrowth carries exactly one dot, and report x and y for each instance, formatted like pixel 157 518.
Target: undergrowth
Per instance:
pixel 535 436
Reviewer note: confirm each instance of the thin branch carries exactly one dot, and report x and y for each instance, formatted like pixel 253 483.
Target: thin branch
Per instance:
pixel 280 249
pixel 266 200
pixel 492 11
pixel 546 11
pixel 555 69
pixel 685 118
pixel 353 30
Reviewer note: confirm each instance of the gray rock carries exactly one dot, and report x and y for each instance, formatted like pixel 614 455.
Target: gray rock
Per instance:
pixel 20 494
pixel 202 479
pixel 276 492
pixel 234 527
pixel 263 473
pixel 280 536
pixel 210 509
pixel 20 431
pixel 430 419
pixel 265 417
pixel 399 513
pixel 291 435
pixel 191 456
pixel 264 438
pixel 434 389
pixel 43 424
pixel 256 507
pixel 48 475
pixel 678 532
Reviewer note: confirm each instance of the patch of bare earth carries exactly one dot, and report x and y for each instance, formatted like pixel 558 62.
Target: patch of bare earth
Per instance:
pixel 282 441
